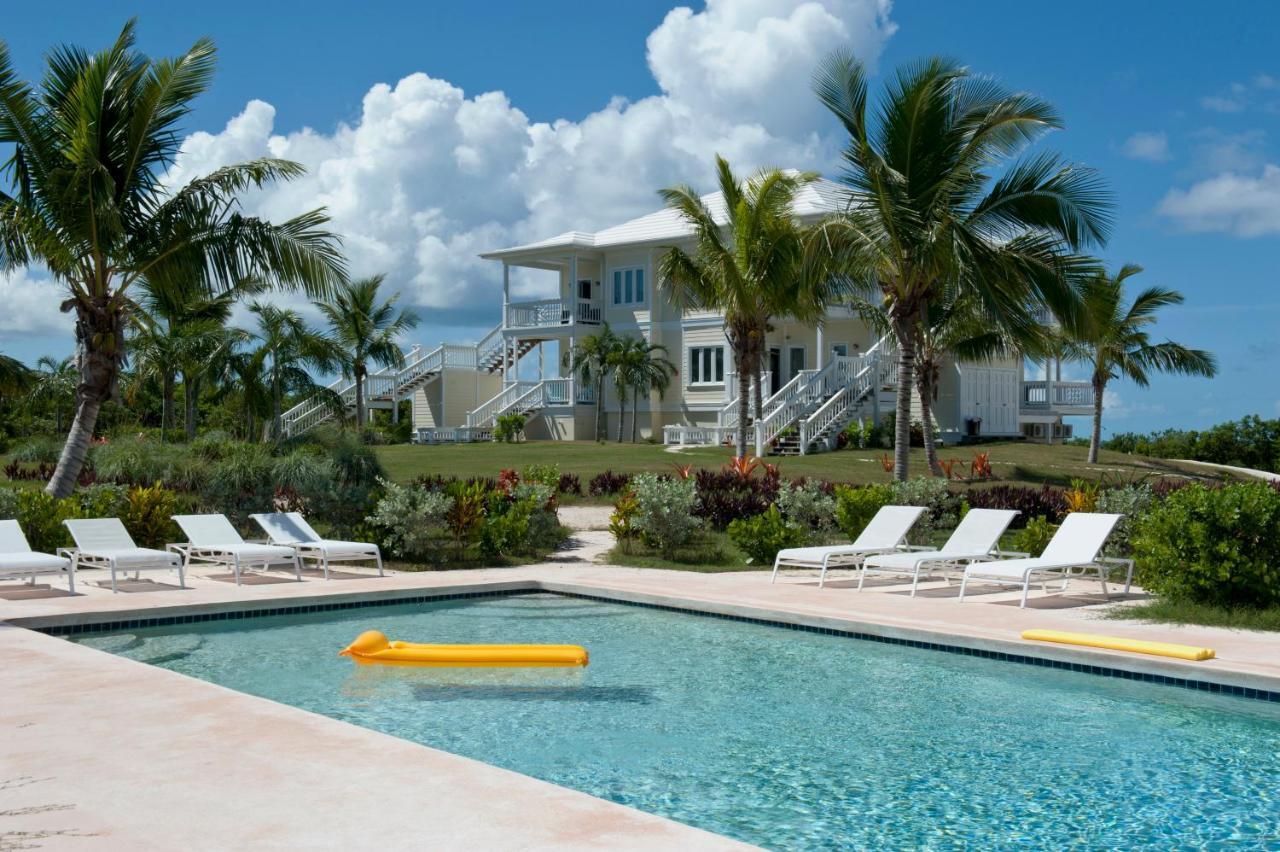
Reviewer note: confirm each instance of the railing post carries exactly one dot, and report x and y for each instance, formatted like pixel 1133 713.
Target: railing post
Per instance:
pixel 759 439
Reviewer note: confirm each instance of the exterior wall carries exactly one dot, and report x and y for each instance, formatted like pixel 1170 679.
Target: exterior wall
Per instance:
pixel 426 406
pixel 445 400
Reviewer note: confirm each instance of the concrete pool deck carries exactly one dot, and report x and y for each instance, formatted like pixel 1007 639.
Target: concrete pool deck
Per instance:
pixel 101 750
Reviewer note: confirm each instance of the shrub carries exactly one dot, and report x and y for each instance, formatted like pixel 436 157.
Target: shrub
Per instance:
pixel 1212 546
pixel 726 495
pixel 606 483
pixel 762 536
pixel 941 506
pixel 856 506
pixel 622 521
pixel 8 503
pixel 1028 502
pixel 148 515
pixel 1130 502
pixel 545 474
pixel 665 511
pixel 509 428
pixel 466 512
pixel 807 506
pixel 1082 496
pixel 1248 442
pixel 569 484
pixel 37 449
pixel 212 445
pixel 409 517
pixel 101 501
pixel 1034 537
pixel 505 528
pixel 41 517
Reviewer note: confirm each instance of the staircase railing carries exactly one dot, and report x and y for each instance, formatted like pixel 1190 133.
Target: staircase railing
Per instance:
pixel 727 415
pixel 852 392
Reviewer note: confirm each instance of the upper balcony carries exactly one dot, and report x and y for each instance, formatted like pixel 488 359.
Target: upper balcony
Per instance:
pixel 1057 397
pixel 553 313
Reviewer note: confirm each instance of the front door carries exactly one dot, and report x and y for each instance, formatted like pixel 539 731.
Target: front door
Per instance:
pixel 795 362
pixel 775 369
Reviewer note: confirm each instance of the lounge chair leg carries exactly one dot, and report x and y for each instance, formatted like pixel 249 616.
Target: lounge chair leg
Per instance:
pixel 862 574
pixel 324 562
pixel 71 577
pixel 915 580
pixel 822 576
pixel 182 579
pixel 235 566
pixel 964 583
pixel 1026 587
pixel 297 568
pixel 377 555
pixel 774 578
pixel 113 576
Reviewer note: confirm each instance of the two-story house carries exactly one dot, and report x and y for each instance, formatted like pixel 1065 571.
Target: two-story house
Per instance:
pixel 820 377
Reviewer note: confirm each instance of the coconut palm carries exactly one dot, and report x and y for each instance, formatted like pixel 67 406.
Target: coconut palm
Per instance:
pixel 365 332
pixel 1112 337
pixel 746 265
pixel 589 359
pixel 638 367
pixel 14 375
pixel 924 214
pixel 282 352
pixel 87 199
pixel 53 384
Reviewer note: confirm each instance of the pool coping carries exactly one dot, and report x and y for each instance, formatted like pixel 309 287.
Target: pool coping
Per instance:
pixel 1158 670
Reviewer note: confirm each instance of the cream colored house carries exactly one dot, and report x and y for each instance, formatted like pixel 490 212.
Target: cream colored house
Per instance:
pixel 819 378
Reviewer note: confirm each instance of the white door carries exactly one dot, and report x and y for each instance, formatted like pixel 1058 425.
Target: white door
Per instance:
pixel 1004 410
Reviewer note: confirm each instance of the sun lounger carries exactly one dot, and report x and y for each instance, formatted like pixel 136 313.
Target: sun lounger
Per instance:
pixel 884 534
pixel 975 539
pixel 18 560
pixel 290 529
pixel 212 539
pixel 1071 553
pixel 105 543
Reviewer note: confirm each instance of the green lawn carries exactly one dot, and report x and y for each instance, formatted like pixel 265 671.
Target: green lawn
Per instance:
pixel 710 552
pixel 1013 461
pixel 1174 612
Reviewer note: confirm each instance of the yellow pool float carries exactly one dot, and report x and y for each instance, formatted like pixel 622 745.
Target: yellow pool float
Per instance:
pixel 1117 643
pixel 373 647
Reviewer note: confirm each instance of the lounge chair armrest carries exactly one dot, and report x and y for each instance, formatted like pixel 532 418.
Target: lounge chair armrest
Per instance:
pixel 920 547
pixel 67 552
pixel 1011 554
pixel 1115 560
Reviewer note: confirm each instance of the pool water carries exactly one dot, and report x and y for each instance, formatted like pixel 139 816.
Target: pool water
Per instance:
pixel 782 738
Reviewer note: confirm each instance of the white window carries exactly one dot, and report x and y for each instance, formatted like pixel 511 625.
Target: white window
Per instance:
pixel 840 350
pixel 706 365
pixel 628 286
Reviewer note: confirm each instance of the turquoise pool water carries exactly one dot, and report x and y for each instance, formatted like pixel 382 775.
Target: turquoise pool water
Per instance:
pixel 781 738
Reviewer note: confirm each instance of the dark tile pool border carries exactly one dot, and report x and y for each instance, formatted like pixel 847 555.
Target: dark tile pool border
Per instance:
pixel 70 630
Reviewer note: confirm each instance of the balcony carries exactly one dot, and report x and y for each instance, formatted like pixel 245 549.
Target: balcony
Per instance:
pixel 553 313
pixel 1057 397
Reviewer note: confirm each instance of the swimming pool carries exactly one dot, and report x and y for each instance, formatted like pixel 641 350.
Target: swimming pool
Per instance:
pixel 781 738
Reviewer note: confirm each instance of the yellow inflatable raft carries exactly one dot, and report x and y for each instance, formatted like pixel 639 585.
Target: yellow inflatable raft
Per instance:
pixel 1117 643
pixel 372 647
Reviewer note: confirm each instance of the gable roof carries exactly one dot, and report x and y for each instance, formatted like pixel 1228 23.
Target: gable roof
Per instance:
pixel 812 201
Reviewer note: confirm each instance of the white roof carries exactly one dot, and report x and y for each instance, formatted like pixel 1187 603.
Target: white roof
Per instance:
pixel 813 200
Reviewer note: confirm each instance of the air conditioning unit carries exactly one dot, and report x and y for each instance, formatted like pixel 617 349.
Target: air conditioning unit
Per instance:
pixel 1033 430
pixel 1062 430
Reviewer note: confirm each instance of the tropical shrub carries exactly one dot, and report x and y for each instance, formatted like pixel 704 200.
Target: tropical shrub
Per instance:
pixel 465 513
pixel 1212 546
pixel 726 495
pixel 762 536
pixel 546 474
pixel 509 428
pixel 1028 502
pixel 1130 502
pixel 856 506
pixel 1034 537
pixel 41 516
pixel 606 483
pixel 8 503
pixel 505 528
pixel 408 516
pixel 569 483
pixel 1082 496
pixel 148 515
pixel 807 506
pixel 622 521
pixel 1248 442
pixel 38 448
pixel 544 532
pixel 941 506
pixel 665 511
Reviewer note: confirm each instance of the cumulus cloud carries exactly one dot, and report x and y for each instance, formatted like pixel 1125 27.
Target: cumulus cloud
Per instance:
pixel 428 177
pixel 1221 103
pixel 31 301
pixel 1246 205
pixel 1153 147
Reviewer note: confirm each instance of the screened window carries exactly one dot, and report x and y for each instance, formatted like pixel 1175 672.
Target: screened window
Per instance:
pixel 628 286
pixel 706 365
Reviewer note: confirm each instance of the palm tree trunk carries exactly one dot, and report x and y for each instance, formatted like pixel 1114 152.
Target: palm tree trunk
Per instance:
pixel 904 330
pixel 359 374
pixel 622 411
pixel 744 396
pixel 925 392
pixel 599 407
pixel 759 394
pixel 276 405
pixel 191 389
pixel 635 412
pixel 166 404
pixel 1095 442
pixel 100 342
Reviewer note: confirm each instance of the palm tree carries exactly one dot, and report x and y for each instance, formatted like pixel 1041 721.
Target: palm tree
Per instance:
pixel 638 367
pixel 15 377
pixel 87 199
pixel 1112 338
pixel 283 351
pixel 364 331
pixel 922 213
pixel 54 385
pixel 590 360
pixel 747 268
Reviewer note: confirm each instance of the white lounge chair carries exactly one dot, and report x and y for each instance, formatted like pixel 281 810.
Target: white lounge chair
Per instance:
pixel 105 543
pixel 974 539
pixel 290 529
pixel 885 533
pixel 18 560
pixel 1071 553
pixel 212 539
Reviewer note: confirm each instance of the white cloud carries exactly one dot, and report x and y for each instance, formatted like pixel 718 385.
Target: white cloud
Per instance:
pixel 1147 146
pixel 1222 104
pixel 1221 151
pixel 428 177
pixel 31 305
pixel 1241 204
pixel 1115 407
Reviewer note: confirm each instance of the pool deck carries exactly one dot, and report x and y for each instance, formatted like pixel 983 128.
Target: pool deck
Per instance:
pixel 103 751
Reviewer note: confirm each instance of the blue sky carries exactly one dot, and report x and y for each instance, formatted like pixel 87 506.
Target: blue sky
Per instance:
pixel 601 104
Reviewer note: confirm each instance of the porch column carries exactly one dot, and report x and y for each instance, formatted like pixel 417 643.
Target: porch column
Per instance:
pixel 573 288
pixel 822 352
pixel 541 363
pixel 506 291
